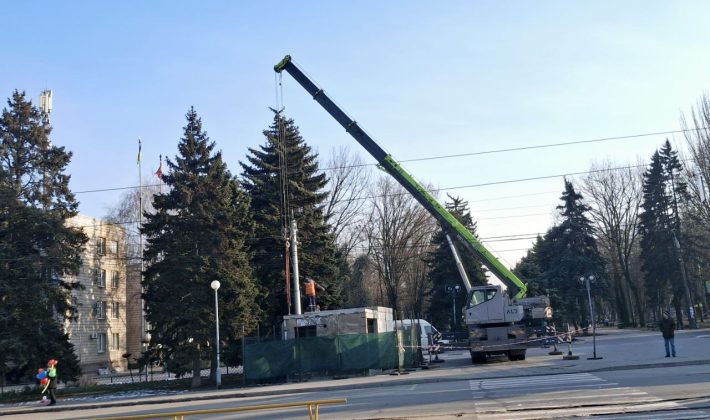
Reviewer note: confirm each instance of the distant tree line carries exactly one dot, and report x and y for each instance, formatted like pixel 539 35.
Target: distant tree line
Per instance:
pixel 640 230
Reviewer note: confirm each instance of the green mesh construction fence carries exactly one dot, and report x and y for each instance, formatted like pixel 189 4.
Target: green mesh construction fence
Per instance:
pixel 326 355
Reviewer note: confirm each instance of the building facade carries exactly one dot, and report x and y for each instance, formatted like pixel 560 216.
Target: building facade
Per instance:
pixel 99 331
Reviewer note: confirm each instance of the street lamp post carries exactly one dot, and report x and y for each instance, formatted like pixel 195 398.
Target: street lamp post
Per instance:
pixel 453 290
pixel 587 281
pixel 218 375
pixel 146 341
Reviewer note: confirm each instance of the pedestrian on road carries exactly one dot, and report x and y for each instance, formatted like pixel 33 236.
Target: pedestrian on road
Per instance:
pixel 668 329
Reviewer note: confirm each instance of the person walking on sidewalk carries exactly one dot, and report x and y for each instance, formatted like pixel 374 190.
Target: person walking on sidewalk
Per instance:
pixel 668 330
pixel 52 383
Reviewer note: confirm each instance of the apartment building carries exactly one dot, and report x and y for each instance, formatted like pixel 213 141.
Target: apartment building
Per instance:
pixel 100 331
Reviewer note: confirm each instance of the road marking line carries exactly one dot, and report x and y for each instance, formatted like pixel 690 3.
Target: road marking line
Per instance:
pixel 533 377
pixel 548 388
pixel 484 384
pixel 554 393
pixel 695 414
pixel 536 379
pixel 497 385
pixel 582 397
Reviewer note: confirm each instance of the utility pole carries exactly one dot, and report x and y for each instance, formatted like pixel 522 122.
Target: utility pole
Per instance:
pixel 294 260
pixel 287 270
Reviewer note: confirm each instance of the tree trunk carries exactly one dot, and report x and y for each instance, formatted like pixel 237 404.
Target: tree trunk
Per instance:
pixel 620 301
pixel 196 368
pixel 213 366
pixel 628 301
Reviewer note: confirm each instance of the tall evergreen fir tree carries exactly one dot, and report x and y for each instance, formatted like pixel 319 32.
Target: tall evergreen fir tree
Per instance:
pixel 659 222
pixel 283 179
pixel 528 271
pixel 443 272
pixel 37 249
pixel 567 253
pixel 656 238
pixel 196 235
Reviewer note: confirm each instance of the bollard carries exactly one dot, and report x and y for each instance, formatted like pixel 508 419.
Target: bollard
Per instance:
pixel 569 355
pixel 555 351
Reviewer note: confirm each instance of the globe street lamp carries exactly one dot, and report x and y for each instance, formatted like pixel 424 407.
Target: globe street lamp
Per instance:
pixel 453 290
pixel 587 280
pixel 218 375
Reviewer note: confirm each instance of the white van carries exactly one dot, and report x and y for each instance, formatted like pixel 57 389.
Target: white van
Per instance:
pixel 429 333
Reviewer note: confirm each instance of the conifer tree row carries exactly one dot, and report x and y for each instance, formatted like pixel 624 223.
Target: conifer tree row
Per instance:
pixel 38 251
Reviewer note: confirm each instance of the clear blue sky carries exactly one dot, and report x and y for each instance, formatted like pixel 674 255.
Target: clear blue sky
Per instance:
pixel 424 78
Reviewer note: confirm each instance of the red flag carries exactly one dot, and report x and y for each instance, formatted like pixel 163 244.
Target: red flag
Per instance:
pixel 159 172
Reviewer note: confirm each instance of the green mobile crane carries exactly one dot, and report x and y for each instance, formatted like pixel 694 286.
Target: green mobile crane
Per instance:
pixel 494 320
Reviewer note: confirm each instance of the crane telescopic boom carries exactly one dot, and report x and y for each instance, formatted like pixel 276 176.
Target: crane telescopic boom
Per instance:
pixel 516 288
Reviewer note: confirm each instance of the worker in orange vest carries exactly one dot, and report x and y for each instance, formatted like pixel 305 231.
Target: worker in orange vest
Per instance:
pixel 310 285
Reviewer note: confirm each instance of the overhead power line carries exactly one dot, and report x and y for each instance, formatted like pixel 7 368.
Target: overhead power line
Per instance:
pixel 512 149
pixel 484 184
pixel 538 146
pixel 537 178
pixel 542 146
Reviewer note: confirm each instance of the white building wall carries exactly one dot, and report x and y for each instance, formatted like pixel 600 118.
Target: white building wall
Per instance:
pixel 94 333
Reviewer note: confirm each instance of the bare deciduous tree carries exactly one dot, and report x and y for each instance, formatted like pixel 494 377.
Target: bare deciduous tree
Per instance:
pixel 398 234
pixel 348 183
pixel 616 197
pixel 697 222
pixel 125 213
pixel 697 135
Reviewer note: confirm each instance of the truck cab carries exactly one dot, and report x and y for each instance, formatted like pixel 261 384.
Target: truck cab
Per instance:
pixel 490 305
pixel 494 327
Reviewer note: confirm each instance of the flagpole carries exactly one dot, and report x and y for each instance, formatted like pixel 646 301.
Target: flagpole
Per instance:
pixel 160 168
pixel 140 242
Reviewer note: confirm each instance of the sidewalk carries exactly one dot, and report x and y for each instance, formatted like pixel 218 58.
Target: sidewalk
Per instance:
pixel 620 349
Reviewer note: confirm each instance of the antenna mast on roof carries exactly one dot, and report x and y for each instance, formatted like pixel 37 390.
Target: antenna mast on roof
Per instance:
pixel 45 103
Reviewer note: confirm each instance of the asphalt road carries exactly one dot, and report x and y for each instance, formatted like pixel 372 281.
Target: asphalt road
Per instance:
pixel 657 389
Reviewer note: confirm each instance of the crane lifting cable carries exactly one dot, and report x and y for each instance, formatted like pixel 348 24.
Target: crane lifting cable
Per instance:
pixel 278 142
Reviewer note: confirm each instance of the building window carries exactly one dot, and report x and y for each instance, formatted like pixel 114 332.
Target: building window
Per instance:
pixel 100 309
pixel 115 278
pixel 115 343
pixel 115 307
pixel 101 246
pixel 113 247
pixel 101 343
pixel 100 277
